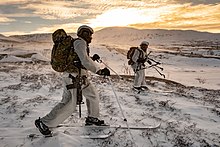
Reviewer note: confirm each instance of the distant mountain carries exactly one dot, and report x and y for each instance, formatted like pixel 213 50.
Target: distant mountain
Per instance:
pixel 34 37
pixel 131 36
pixel 8 39
pixel 45 37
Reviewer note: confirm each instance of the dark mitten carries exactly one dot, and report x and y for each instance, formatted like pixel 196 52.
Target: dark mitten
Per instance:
pixel 141 60
pixel 149 62
pixel 104 71
pixel 95 57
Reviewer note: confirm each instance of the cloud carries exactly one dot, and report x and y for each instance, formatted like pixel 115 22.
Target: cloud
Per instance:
pixel 59 9
pixel 49 10
pixel 79 8
pixel 197 17
pixel 27 22
pixel 9 2
pixel 68 27
pixel 5 20
pixel 17 15
pixel 197 2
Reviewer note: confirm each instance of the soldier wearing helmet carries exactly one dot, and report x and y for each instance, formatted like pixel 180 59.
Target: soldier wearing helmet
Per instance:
pixel 69 99
pixel 140 57
pixel 85 32
pixel 81 47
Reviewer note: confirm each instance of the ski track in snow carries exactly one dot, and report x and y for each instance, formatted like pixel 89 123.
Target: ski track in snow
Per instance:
pixel 189 116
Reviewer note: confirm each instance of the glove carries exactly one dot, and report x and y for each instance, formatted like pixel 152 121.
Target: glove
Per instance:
pixel 104 71
pixel 149 62
pixel 95 57
pixel 141 60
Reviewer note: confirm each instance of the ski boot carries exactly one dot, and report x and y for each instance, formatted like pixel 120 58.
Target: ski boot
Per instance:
pixel 144 88
pixel 44 129
pixel 94 121
pixel 137 89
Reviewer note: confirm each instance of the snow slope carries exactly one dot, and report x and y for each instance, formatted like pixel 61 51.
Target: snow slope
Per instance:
pixel 186 102
pixel 189 116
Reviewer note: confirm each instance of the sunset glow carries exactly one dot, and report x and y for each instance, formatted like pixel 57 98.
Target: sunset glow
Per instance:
pixel 45 16
pixel 124 17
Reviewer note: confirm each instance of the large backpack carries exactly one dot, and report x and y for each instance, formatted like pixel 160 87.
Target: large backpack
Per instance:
pixel 130 54
pixel 63 55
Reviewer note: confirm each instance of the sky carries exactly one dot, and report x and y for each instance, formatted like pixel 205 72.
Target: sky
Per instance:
pixel 45 16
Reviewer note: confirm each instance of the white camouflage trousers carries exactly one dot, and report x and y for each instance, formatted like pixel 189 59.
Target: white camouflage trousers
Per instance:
pixel 139 78
pixel 68 104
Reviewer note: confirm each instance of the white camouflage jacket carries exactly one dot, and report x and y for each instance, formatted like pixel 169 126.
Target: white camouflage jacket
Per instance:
pixel 138 53
pixel 80 47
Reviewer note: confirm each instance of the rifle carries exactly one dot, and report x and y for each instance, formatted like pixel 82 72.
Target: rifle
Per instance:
pixel 79 91
pixel 77 82
pixel 155 65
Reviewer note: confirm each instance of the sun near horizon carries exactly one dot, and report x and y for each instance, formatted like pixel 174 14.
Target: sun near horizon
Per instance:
pixel 165 17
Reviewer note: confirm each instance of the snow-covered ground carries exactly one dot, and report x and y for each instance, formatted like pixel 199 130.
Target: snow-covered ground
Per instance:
pixel 186 102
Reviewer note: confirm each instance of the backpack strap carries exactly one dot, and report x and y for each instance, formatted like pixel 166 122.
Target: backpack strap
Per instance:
pixel 140 53
pixel 77 63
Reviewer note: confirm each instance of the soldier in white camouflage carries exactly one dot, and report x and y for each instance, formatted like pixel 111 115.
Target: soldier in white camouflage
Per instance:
pixel 69 99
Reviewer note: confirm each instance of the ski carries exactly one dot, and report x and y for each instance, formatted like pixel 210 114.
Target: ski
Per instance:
pixel 117 127
pixel 141 128
pixel 100 136
pixel 33 135
pixel 96 136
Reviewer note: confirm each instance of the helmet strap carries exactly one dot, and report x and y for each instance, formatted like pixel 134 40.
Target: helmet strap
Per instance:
pixel 87 36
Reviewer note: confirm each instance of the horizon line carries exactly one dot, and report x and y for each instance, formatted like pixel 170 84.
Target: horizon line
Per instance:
pixel 96 30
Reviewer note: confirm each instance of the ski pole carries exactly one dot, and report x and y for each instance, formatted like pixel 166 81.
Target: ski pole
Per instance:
pixel 100 61
pixel 155 69
pixel 149 53
pixel 113 89
pixel 156 65
pixel 153 65
pixel 161 68
pixel 159 72
pixel 154 61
